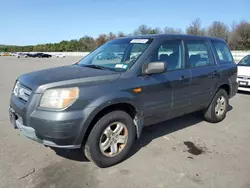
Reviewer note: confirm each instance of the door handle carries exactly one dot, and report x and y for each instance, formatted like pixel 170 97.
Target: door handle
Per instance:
pixel 182 78
pixel 213 74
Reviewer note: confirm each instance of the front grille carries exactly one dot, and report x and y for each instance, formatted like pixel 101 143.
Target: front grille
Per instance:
pixel 22 92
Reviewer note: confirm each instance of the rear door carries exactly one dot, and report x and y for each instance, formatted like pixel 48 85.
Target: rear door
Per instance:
pixel 205 76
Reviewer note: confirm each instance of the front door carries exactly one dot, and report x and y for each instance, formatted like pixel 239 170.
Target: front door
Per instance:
pixel 173 97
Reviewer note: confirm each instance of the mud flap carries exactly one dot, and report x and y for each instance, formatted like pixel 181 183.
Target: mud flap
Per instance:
pixel 138 121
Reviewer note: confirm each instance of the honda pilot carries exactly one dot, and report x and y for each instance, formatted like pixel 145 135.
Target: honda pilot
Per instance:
pixel 102 104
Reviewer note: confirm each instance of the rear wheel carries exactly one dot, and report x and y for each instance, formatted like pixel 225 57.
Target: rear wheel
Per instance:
pixel 111 139
pixel 217 110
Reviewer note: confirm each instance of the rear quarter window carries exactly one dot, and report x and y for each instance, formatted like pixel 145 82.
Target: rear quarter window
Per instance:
pixel 222 52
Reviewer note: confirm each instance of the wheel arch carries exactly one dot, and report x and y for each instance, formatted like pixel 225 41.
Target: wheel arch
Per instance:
pixel 226 87
pixel 124 104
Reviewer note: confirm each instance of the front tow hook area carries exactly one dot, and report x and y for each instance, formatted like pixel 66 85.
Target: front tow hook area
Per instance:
pixel 13 117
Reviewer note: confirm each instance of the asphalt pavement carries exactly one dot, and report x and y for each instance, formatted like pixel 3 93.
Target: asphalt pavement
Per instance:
pixel 186 152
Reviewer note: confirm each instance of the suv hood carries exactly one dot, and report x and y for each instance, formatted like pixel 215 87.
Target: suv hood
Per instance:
pixel 64 75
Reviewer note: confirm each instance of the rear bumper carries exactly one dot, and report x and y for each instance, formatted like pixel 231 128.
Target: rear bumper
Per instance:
pixel 234 89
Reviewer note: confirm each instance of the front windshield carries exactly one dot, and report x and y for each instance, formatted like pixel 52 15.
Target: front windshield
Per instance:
pixel 117 55
pixel 245 61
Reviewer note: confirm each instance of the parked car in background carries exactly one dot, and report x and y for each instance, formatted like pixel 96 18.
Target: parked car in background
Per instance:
pixel 106 56
pixel 6 54
pixel 43 55
pixel 31 54
pixel 244 74
pixel 18 55
pixel 60 55
pixel 39 55
pixel 102 105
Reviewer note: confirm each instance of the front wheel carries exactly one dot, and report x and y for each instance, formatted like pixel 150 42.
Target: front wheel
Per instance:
pixel 217 109
pixel 111 139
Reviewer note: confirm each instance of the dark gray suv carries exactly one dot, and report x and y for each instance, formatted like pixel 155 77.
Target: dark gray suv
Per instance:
pixel 102 104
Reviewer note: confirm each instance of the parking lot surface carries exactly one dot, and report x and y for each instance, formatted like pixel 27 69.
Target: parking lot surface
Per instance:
pixel 186 152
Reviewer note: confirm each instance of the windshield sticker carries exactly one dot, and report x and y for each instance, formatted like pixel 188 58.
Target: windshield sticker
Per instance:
pixel 124 66
pixel 142 41
pixel 119 66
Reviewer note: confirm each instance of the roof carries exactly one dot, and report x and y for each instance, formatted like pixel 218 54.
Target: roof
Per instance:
pixel 164 36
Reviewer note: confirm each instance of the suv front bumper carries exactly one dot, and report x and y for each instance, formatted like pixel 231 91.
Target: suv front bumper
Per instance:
pixel 28 132
pixel 49 139
pixel 61 129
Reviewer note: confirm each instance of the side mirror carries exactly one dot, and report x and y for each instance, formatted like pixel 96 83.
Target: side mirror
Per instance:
pixel 155 68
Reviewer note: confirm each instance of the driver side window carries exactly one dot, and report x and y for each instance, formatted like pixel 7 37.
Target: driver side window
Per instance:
pixel 169 52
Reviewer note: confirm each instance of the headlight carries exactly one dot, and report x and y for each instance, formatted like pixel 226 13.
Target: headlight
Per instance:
pixel 59 98
pixel 16 88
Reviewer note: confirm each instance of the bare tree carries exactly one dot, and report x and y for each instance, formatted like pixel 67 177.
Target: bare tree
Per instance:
pixel 195 28
pixel 171 30
pixel 121 34
pixel 86 44
pixel 240 36
pixel 101 39
pixel 142 30
pixel 111 36
pixel 156 31
pixel 218 29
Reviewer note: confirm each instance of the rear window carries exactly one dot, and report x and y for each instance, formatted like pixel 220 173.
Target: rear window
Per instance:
pixel 223 53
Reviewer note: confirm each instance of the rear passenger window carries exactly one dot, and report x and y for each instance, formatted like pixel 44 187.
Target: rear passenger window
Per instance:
pixel 198 54
pixel 223 52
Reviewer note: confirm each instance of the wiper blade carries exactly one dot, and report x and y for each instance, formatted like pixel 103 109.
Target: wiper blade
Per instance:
pixel 100 67
pixel 95 66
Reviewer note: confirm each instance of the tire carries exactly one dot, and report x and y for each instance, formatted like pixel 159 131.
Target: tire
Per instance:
pixel 92 147
pixel 210 114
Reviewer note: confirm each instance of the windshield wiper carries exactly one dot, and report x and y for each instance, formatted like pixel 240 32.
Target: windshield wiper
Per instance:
pixel 100 67
pixel 95 66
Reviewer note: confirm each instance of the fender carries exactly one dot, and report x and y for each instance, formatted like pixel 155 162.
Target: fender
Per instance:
pixel 228 75
pixel 102 102
pixel 221 83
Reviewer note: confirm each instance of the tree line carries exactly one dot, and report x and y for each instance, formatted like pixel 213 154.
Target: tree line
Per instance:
pixel 237 36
